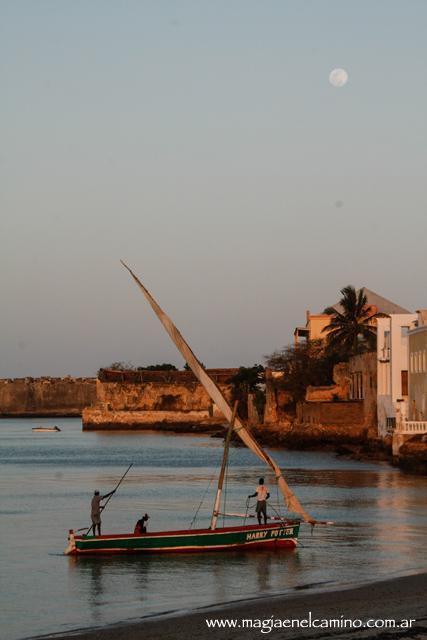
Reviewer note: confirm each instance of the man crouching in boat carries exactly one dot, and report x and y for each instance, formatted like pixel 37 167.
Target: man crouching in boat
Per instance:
pixel 95 511
pixel 140 526
pixel 262 496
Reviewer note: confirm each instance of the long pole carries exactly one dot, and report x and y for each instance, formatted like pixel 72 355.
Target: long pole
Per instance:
pixel 117 486
pixel 217 504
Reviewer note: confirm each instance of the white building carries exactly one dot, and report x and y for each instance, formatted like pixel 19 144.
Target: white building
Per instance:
pixel 392 372
pixel 418 369
pixel 416 411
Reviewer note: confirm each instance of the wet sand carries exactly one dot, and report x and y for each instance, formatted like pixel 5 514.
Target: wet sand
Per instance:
pixel 400 599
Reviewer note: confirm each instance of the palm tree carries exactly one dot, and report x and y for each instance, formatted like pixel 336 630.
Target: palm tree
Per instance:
pixel 350 330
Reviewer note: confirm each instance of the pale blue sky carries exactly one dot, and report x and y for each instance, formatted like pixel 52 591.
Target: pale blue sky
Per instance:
pixel 202 143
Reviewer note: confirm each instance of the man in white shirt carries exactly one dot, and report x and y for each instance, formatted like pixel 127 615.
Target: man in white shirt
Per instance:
pixel 95 511
pixel 262 496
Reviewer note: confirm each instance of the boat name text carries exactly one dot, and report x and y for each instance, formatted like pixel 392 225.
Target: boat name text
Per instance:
pixel 274 533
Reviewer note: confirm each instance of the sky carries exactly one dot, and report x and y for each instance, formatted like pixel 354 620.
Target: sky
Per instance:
pixel 202 143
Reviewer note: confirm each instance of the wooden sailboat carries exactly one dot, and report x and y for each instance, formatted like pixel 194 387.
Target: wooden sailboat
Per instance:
pixel 270 536
pixel 281 533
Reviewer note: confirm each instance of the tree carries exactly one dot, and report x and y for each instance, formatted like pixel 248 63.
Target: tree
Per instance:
pixel 249 380
pixel 350 330
pixel 303 365
pixel 121 366
pixel 159 367
pixel 187 367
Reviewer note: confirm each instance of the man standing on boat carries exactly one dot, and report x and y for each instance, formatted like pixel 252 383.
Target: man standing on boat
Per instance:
pixel 95 511
pixel 262 496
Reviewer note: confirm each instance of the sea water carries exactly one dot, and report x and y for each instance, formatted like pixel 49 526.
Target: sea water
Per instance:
pixel 47 482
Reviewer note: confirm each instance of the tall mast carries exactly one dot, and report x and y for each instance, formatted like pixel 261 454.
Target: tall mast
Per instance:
pixel 291 501
pixel 223 468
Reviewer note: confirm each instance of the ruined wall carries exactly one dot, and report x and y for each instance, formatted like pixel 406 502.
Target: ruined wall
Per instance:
pixel 331 413
pixel 340 390
pixel 100 419
pixel 68 396
pixel 154 396
pixel 337 400
pixel 367 364
pixel 147 399
pixel 277 400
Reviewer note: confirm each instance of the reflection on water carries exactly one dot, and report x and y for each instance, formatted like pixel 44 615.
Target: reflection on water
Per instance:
pixel 47 482
pixel 223 575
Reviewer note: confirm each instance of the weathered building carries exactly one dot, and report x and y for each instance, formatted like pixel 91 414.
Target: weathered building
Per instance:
pixel 163 399
pixel 350 401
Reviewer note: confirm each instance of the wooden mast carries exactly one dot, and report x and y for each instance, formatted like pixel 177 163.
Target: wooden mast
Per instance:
pixel 223 468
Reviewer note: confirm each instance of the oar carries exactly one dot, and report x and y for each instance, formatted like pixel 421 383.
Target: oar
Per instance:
pixel 109 497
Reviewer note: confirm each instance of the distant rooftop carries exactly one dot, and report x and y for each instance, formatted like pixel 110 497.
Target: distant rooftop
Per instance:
pixel 382 305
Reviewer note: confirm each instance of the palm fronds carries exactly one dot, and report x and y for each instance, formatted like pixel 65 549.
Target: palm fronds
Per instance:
pixel 350 328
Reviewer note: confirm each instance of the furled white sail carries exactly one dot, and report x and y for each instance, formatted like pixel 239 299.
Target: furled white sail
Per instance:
pixel 216 395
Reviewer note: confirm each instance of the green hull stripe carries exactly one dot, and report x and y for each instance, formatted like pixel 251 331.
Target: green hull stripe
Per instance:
pixel 208 540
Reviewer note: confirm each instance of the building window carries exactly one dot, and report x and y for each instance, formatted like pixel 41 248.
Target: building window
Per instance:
pixel 356 388
pixel 385 350
pixel 404 375
pixel 390 423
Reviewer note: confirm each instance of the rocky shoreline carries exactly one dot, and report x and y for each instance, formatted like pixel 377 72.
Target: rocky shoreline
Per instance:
pixel 356 443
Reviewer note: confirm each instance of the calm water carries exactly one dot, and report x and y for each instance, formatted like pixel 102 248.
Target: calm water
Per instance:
pixel 47 480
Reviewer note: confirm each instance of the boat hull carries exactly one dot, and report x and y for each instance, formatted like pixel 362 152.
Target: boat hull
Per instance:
pixel 268 536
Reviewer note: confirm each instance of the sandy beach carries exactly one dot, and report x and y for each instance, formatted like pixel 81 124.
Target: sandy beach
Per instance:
pixel 398 599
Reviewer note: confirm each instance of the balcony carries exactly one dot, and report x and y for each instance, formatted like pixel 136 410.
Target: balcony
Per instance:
pixel 412 427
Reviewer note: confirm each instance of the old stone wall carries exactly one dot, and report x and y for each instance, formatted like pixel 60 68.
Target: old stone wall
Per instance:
pixel 100 419
pixel 68 396
pixel 156 399
pixel 340 390
pixel 338 399
pixel 155 396
pixel 277 401
pixel 331 413
pixel 366 364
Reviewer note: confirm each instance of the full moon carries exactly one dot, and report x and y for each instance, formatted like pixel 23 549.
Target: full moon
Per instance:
pixel 338 77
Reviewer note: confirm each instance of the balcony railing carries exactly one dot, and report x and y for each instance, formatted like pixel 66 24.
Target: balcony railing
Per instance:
pixel 412 427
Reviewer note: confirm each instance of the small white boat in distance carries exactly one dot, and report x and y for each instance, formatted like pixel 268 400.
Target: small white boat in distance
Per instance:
pixel 46 429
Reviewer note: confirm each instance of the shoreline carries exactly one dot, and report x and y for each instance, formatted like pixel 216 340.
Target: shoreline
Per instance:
pixel 399 598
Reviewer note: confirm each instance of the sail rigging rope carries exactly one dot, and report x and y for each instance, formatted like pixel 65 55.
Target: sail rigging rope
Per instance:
pixel 246 512
pixel 226 486
pixel 202 500
pixel 277 499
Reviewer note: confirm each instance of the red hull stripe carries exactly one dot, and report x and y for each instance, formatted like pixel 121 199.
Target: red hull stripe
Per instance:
pixel 193 532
